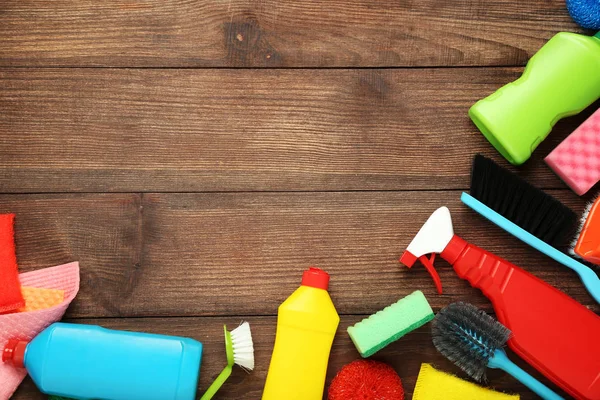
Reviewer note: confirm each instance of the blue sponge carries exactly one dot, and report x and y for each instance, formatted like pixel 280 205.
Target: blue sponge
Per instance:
pixel 585 12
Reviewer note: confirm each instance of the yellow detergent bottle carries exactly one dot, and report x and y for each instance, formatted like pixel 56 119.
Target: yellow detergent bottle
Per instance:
pixel 306 325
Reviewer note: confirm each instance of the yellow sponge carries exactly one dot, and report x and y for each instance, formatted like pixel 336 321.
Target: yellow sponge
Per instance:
pixel 437 385
pixel 40 299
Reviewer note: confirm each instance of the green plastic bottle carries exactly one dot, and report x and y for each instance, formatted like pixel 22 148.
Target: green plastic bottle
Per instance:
pixel 560 80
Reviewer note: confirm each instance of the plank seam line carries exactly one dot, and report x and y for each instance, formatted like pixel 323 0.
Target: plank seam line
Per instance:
pixel 260 191
pixel 335 68
pixel 211 316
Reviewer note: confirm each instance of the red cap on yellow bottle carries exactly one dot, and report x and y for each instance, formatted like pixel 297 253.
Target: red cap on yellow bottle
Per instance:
pixel 315 277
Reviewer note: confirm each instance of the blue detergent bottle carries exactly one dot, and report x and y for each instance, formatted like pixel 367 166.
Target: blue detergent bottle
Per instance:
pixel 91 362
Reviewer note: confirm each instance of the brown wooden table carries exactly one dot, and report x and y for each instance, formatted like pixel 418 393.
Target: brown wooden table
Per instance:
pixel 195 156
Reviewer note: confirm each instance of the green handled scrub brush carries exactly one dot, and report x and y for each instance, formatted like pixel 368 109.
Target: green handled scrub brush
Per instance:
pixel 240 351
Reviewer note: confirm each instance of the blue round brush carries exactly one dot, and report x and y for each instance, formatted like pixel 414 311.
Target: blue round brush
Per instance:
pixel 474 341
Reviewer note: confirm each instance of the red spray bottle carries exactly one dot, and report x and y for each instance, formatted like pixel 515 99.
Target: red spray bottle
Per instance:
pixel 554 333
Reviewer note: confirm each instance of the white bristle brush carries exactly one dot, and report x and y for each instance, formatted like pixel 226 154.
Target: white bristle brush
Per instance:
pixel 240 351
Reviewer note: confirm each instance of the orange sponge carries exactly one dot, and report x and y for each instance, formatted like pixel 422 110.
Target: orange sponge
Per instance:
pixel 40 299
pixel 11 298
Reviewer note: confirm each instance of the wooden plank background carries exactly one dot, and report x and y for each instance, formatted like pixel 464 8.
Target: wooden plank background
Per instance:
pixel 195 156
pixel 276 33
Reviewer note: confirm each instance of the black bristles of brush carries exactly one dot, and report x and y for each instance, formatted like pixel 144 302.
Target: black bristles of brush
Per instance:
pixel 468 337
pixel 520 202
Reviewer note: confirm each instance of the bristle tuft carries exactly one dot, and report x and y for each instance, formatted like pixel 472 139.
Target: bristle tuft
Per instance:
pixel 525 205
pixel 243 347
pixel 468 337
pixel 582 221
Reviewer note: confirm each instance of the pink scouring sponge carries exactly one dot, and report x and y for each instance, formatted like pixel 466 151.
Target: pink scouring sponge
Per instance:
pixel 577 159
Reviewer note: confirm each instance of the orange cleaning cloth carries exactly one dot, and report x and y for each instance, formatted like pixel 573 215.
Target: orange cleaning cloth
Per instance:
pixel 41 299
pixel 11 298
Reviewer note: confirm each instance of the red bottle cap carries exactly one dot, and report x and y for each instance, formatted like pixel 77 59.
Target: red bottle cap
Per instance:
pixel 14 353
pixel 315 277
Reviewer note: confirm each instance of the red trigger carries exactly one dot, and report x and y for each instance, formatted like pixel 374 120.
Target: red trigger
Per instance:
pixel 428 264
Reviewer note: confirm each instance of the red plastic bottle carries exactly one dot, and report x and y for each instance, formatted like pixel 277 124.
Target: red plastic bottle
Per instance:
pixel 551 331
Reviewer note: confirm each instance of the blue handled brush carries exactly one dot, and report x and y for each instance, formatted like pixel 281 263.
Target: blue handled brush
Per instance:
pixel 474 341
pixel 527 213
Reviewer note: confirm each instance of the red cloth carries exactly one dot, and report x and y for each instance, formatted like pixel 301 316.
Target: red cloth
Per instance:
pixel 11 298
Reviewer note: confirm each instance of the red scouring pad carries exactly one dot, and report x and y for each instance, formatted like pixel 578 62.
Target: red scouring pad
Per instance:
pixel 11 298
pixel 366 380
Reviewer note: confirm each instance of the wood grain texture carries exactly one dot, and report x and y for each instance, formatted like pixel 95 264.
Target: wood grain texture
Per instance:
pixel 101 231
pixel 105 130
pixel 217 254
pixel 196 156
pixel 405 355
pixel 274 33
pixel 255 246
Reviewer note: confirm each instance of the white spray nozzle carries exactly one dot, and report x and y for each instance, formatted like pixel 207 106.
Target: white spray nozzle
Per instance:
pixel 433 238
